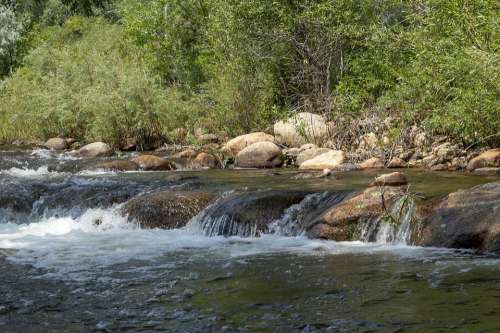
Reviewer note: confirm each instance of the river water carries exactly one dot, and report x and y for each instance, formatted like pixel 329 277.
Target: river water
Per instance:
pixel 60 271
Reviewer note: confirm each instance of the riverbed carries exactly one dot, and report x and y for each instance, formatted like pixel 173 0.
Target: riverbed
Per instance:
pixel 63 272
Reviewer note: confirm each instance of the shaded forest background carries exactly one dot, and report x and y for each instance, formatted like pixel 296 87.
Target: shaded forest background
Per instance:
pixel 129 69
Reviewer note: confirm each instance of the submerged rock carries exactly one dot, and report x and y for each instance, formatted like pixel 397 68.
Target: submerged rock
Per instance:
pixel 246 214
pixel 341 221
pixel 152 162
pixel 390 179
pixel 96 149
pixel 467 219
pixel 234 146
pixel 118 165
pixel 487 172
pixel 166 209
pixel 260 155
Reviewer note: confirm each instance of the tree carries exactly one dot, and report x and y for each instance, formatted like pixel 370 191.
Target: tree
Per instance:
pixel 10 34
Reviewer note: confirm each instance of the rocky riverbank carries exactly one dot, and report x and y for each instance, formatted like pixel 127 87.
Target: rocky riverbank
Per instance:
pixel 305 141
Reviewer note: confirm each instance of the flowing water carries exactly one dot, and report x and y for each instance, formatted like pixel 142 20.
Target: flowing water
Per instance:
pixel 70 262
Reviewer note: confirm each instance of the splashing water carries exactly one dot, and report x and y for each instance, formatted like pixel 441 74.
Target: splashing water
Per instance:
pixel 393 228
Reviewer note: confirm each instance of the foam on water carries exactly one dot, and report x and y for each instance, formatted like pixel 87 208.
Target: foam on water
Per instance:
pixel 100 238
pixel 42 171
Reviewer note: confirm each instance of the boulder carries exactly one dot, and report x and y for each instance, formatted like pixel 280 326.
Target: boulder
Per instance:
pixel 153 163
pixel 341 221
pixel 301 128
pixel 204 161
pixel 188 153
pixel 397 163
pixel 487 172
pixel 390 179
pixel 208 138
pixel 313 175
pixel 372 163
pixel 329 160
pixel 247 214
pixel 95 149
pixel 310 153
pixel 467 219
pixel 234 146
pixel 166 209
pixel 56 144
pixel 118 165
pixel 260 155
pixel 490 158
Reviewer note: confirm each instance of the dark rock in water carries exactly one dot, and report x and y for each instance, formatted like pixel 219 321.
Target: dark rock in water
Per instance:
pixel 247 214
pixel 166 209
pixel 119 165
pixel 467 219
pixel 340 221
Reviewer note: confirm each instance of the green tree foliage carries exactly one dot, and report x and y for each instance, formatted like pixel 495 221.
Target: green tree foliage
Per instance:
pixel 84 82
pixel 234 66
pixel 10 34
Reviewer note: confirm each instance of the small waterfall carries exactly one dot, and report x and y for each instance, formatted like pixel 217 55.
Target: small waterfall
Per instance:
pixel 394 227
pixel 250 214
pixel 297 218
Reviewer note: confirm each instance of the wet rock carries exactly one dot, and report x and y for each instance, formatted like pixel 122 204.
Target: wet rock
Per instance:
pixel 397 163
pixel 234 146
pixel 313 175
pixel 390 179
pixel 487 172
pixel 301 128
pixel 187 154
pixel 372 163
pixel 151 162
pixel 166 209
pixel 341 221
pixel 440 167
pixel 310 153
pixel 205 161
pixel 291 156
pixel 247 214
pixel 490 158
pixel 260 155
pixel 56 144
pixel 118 165
pixel 329 160
pixel 466 219
pixel 95 149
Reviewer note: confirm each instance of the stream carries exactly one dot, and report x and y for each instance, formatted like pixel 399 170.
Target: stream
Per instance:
pixel 60 271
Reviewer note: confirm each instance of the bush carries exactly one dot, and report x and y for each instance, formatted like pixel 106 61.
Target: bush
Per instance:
pixel 83 82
